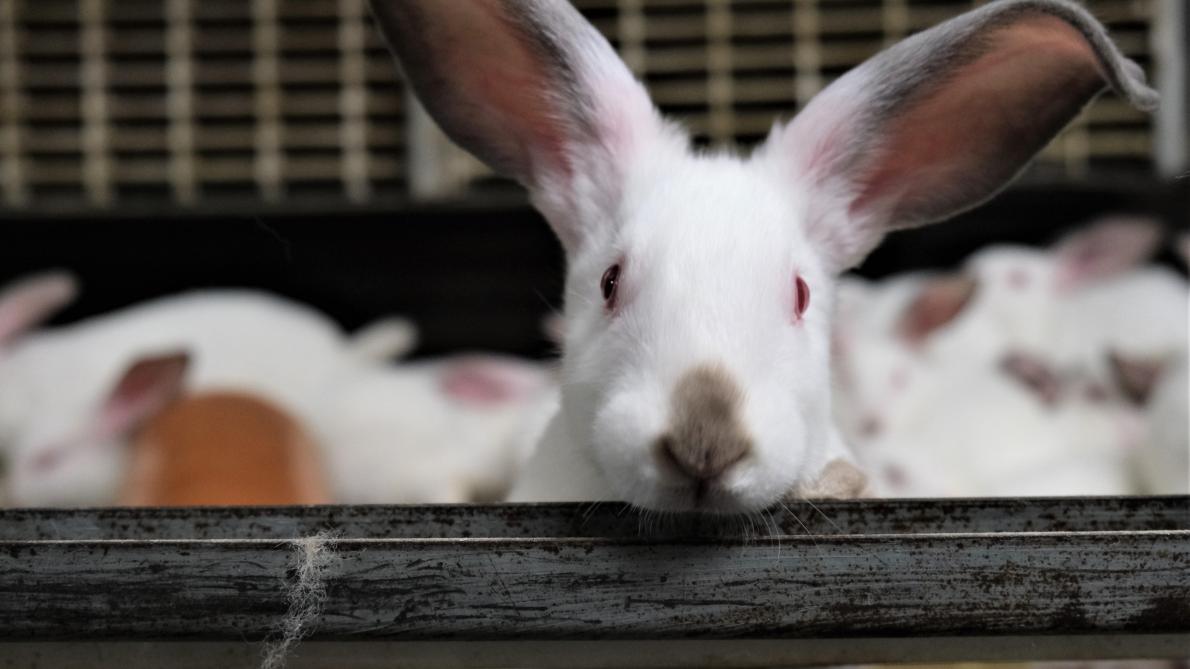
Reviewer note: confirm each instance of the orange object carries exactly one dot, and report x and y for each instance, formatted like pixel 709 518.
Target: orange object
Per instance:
pixel 224 448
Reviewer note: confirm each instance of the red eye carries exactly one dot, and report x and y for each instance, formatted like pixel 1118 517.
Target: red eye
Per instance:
pixel 801 298
pixel 608 285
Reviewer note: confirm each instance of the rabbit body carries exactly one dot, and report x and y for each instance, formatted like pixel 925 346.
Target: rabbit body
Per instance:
pixel 223 448
pixel 1164 461
pixel 442 431
pixel 53 381
pixel 699 291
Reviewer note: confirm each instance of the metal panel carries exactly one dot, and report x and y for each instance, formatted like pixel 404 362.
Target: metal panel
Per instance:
pixel 893 573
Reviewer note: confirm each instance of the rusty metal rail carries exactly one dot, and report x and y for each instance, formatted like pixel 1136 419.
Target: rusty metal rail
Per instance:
pixel 576 585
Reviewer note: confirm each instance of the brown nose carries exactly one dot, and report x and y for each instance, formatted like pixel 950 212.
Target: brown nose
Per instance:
pixel 705 437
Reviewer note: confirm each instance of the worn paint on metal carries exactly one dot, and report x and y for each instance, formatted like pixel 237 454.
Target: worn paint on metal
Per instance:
pixel 942 568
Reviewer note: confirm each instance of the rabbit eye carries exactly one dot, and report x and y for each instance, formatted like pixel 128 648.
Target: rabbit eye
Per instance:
pixel 608 285
pixel 801 298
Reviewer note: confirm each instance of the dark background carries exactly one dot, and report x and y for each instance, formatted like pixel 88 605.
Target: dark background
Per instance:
pixel 472 277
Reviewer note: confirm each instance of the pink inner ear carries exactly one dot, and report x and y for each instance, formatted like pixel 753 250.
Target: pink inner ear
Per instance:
pixel 486 382
pixel 956 144
pixel 503 96
pixel 1105 249
pixel 938 304
pixel 144 389
pixel 32 301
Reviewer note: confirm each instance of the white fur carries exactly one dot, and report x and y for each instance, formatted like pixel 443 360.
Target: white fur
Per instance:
pixel 1164 462
pixel 52 382
pixel 709 245
pixel 956 424
pixel 392 435
pixel 977 433
pixel 693 276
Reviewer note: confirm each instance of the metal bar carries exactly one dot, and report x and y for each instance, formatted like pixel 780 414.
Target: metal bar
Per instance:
pixel 738 654
pixel 1171 46
pixel 607 521
pixel 883 570
pixel 353 100
pixel 179 100
pixel 269 165
pixel 96 122
pixel 13 184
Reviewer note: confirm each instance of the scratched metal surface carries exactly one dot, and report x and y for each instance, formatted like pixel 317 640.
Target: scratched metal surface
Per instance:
pixel 561 572
pixel 1047 514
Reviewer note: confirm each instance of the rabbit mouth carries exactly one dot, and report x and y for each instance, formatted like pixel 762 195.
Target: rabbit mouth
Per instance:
pixel 702 496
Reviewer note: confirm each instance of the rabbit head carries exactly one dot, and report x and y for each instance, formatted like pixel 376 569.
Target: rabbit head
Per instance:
pixel 699 286
pixel 74 454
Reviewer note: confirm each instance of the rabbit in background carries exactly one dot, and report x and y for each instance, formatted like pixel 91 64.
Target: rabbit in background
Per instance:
pixel 71 397
pixel 1051 350
pixel 695 368
pixel 891 336
pixel 1017 427
pixel 223 448
pixel 449 430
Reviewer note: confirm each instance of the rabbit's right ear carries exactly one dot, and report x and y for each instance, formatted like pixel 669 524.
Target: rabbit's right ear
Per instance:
pixel 31 301
pixel 530 87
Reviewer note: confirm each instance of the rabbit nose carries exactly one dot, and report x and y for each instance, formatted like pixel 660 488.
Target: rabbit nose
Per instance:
pixel 705 438
pixel 701 460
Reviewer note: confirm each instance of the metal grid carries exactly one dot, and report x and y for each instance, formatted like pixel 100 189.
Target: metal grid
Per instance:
pixel 233 103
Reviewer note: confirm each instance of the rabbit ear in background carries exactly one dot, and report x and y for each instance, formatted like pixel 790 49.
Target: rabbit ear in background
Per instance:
pixel 146 387
pixel 384 340
pixel 941 121
pixel 937 304
pixel 1105 248
pixel 553 326
pixel 531 88
pixel 29 302
pixel 489 381
pixel 1035 374
pixel 1136 377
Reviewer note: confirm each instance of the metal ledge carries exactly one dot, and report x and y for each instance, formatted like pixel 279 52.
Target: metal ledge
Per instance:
pixel 909 580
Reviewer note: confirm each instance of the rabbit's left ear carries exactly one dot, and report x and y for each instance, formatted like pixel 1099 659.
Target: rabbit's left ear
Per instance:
pixel 941 121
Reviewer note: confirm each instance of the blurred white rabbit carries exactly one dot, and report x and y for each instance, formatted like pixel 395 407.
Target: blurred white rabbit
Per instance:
pixel 695 370
pixel 449 430
pixel 70 396
pixel 916 349
pixel 1017 428
pixel 1159 382
pixel 1164 461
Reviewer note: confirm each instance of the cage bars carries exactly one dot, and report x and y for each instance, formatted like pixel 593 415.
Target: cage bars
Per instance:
pixel 214 102
pixel 12 174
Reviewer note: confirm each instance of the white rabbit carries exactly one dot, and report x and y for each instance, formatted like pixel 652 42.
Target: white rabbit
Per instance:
pixel 1016 428
pixel 1016 297
pixel 1160 383
pixel 1086 295
pixel 882 362
pixel 1164 462
pixel 699 293
pixel 70 396
pixel 442 431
